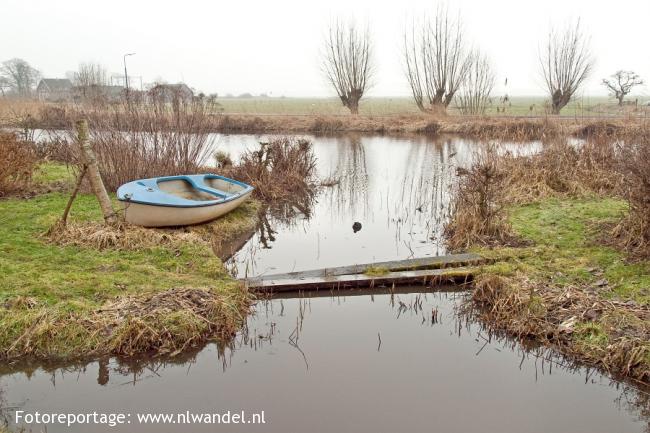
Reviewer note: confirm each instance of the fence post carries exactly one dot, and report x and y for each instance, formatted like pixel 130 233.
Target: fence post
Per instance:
pixel 90 161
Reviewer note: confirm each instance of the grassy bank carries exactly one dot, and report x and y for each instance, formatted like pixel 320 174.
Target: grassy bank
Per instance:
pixel 85 296
pixel 567 289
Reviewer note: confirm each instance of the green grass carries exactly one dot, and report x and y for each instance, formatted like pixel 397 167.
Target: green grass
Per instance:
pixel 31 267
pixel 50 172
pixel 69 282
pixel 567 248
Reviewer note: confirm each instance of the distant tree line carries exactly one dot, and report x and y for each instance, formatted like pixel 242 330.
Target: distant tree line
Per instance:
pixel 440 68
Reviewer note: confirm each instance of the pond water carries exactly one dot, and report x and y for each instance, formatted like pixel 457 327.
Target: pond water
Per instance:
pixel 348 361
pixel 341 363
pixel 396 188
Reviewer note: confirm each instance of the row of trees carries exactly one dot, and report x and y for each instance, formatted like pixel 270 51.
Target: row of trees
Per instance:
pixel 441 68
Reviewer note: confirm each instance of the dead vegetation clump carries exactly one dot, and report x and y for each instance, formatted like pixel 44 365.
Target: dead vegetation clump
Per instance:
pixel 505 129
pixel 135 140
pixel 322 125
pixel 613 130
pixel 281 170
pixel 120 237
pixel 17 163
pixel 478 214
pixel 610 334
pixel 561 169
pixel 164 323
pixel 242 124
pixel 633 232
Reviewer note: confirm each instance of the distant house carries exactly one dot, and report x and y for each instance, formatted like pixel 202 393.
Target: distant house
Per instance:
pixel 171 92
pixel 54 89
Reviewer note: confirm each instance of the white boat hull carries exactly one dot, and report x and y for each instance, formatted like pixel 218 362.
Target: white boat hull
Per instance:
pixel 147 215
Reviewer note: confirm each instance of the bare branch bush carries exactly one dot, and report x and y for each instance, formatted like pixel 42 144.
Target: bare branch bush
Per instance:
pixel 17 163
pixel 89 78
pixel 566 63
pixel 133 140
pixel 621 83
pixel 474 93
pixel 436 61
pixel 347 63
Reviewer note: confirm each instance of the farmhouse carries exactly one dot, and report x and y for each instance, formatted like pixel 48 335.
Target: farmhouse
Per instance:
pixel 54 89
pixel 172 92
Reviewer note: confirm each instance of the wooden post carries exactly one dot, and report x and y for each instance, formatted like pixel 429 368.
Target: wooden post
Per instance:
pixel 64 218
pixel 90 161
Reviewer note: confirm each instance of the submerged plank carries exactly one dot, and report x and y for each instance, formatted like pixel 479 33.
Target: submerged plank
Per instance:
pixel 333 282
pixel 437 262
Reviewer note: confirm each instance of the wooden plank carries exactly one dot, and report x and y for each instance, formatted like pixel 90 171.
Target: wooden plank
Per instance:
pixel 436 262
pixel 335 282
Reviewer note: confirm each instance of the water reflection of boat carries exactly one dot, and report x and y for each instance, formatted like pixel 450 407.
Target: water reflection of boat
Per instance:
pixel 180 200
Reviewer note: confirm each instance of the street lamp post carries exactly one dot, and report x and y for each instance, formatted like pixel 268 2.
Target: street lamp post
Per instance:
pixel 126 75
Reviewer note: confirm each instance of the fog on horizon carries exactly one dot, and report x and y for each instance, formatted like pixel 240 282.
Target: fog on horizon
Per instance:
pixel 258 46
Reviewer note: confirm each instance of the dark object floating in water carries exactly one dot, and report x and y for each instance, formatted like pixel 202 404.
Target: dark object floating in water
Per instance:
pixel 356 226
pixel 180 200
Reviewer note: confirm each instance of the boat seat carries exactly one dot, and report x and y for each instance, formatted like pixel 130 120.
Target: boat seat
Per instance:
pixel 203 187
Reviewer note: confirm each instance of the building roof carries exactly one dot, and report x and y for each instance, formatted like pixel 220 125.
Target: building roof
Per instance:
pixel 56 84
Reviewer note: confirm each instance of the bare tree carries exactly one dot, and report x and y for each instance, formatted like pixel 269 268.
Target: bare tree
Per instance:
pixel 436 60
pixel 621 83
pixel 347 63
pixel 90 76
pixel 566 63
pixel 19 76
pixel 474 93
pixel 4 85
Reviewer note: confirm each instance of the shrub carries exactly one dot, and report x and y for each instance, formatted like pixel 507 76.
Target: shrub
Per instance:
pixel 477 211
pixel 135 140
pixel 282 171
pixel 17 163
pixel 634 230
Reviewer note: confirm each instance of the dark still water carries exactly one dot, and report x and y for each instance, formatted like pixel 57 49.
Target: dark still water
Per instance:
pixel 350 361
pixel 362 363
pixel 396 188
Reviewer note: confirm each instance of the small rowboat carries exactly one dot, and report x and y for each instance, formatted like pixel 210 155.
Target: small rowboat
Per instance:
pixel 180 200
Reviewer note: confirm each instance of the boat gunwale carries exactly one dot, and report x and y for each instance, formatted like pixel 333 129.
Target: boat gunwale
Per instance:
pixel 195 203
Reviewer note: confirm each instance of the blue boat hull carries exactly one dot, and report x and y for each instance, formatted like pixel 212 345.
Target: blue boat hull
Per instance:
pixel 181 200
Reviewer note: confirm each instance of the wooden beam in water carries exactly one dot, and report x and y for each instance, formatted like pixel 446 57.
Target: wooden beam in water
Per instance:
pixel 457 268
pixel 437 262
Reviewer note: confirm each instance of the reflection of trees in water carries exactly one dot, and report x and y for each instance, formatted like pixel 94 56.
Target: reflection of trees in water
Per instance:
pixel 261 332
pixel 351 173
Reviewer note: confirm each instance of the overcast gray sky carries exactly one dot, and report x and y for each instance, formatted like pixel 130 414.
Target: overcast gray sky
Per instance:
pixel 272 46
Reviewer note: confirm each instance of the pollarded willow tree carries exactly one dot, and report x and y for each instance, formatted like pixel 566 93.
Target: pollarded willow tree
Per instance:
pixel 347 62
pixel 474 93
pixel 436 60
pixel 566 63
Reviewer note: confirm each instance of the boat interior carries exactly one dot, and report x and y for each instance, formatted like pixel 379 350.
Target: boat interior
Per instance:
pixel 222 185
pixel 184 189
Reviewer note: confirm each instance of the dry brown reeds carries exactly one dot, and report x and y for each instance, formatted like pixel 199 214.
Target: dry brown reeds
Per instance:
pixel 281 170
pixel 477 212
pixel 610 334
pixel 634 231
pixel 99 236
pixel 136 140
pixel 17 163
pixel 560 169
pixel 161 323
